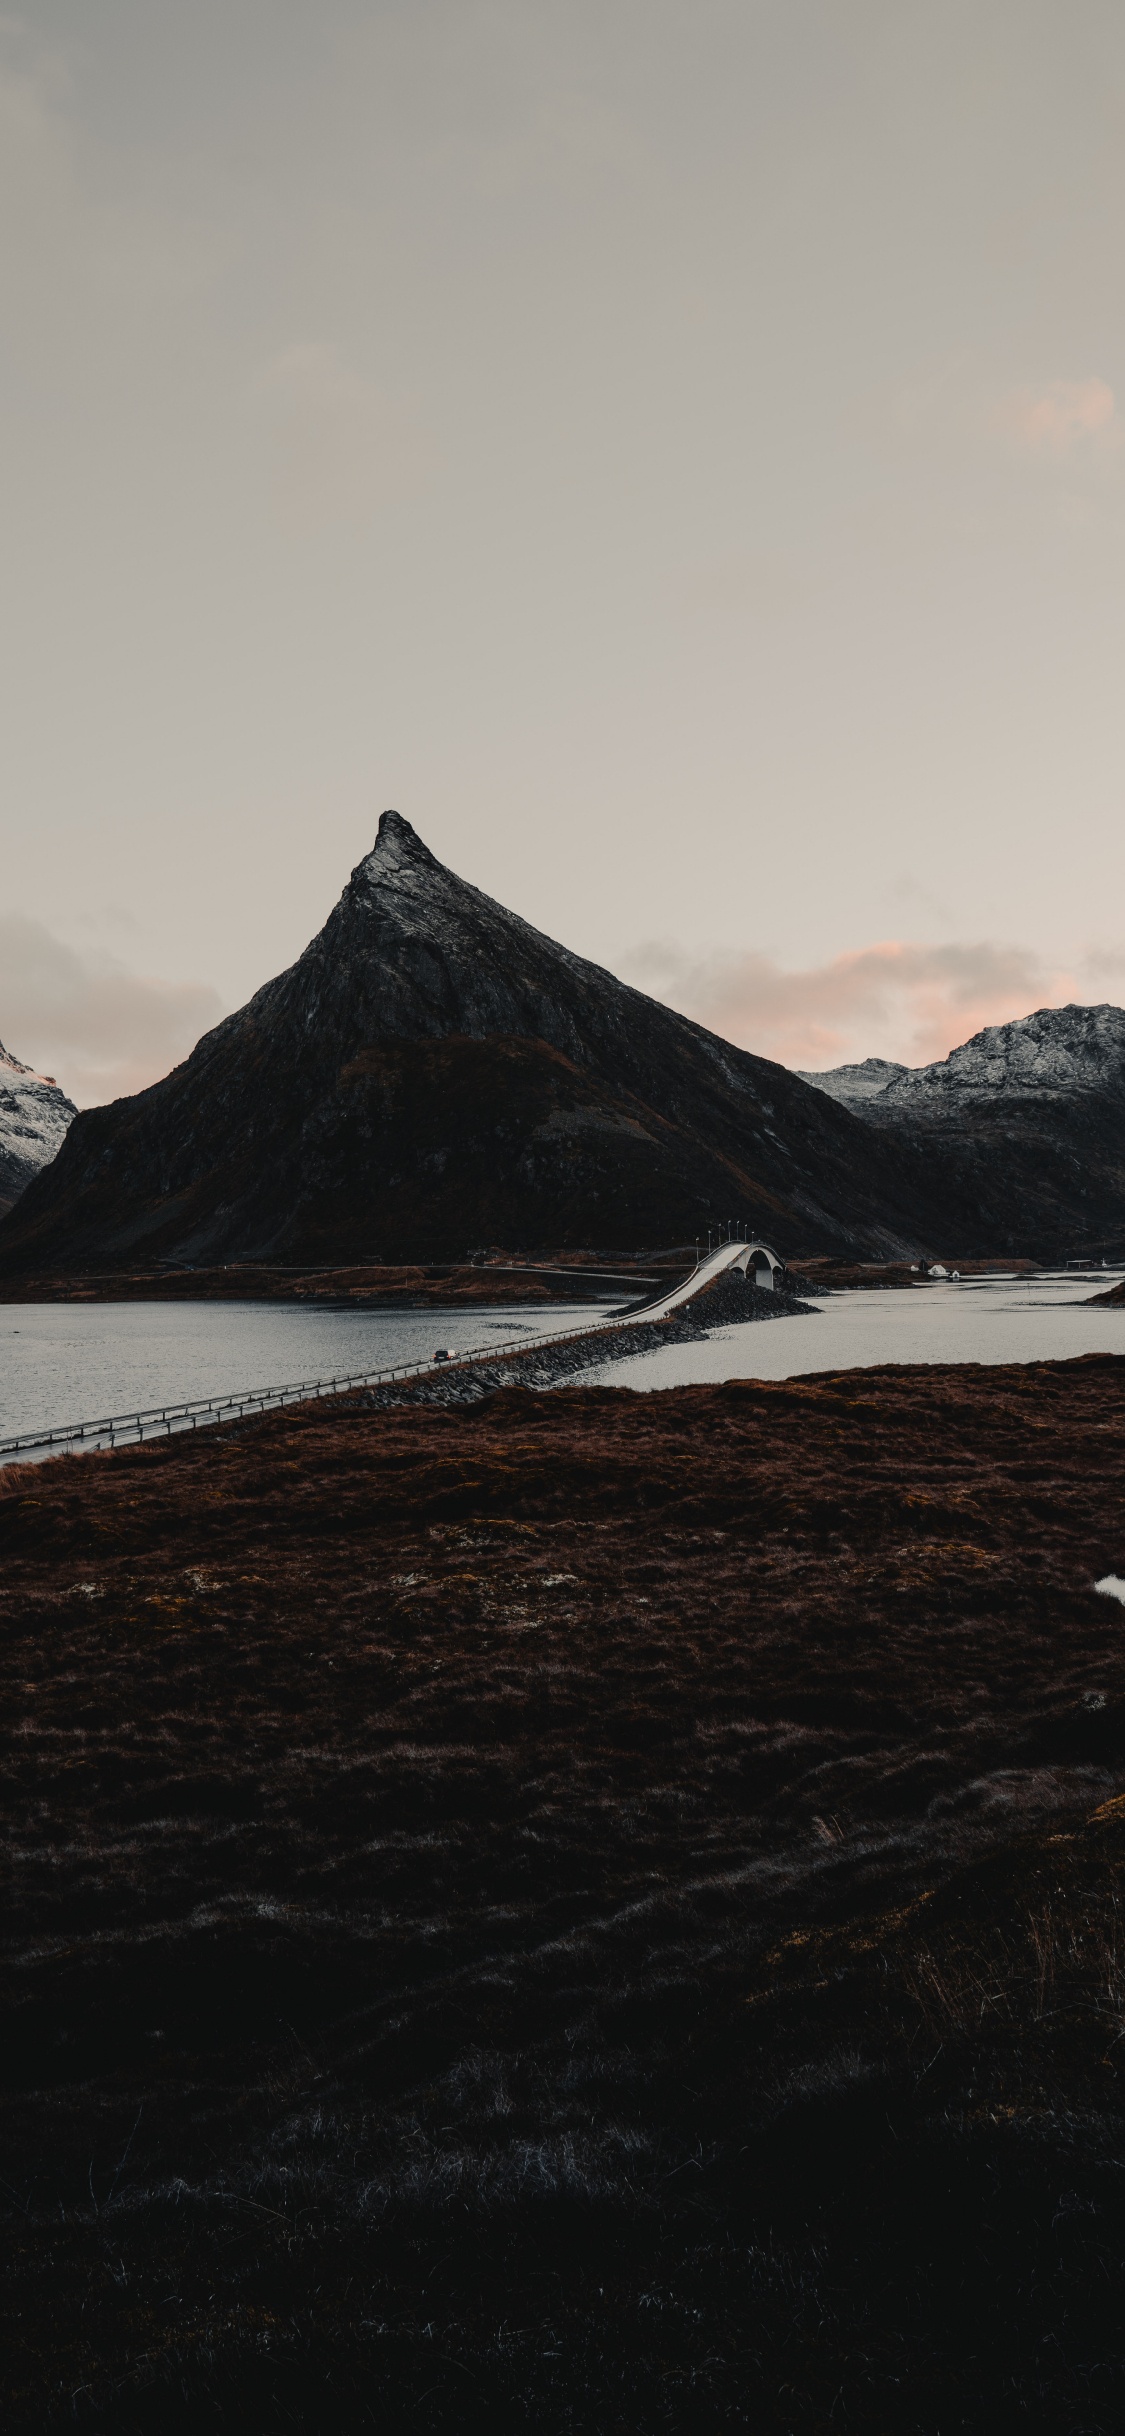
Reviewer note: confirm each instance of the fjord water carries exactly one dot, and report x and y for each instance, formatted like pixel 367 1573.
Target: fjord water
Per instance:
pixel 71 1362
pixel 1042 1319
pixel 67 1362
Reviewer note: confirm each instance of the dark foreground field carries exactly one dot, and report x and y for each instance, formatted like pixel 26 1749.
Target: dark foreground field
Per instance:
pixel 598 1913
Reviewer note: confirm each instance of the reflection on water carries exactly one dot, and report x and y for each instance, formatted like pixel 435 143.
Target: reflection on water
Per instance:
pixel 1040 1319
pixel 68 1362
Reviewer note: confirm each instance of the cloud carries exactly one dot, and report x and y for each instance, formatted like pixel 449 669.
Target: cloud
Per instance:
pixel 98 1028
pixel 895 999
pixel 1064 416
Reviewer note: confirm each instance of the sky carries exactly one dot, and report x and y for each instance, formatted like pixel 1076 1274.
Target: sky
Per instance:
pixel 671 450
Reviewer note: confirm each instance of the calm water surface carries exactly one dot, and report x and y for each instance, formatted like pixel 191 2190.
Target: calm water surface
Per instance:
pixel 70 1362
pixel 65 1362
pixel 980 1320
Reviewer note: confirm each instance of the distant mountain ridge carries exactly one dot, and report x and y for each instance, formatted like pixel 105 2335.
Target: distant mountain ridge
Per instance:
pixel 34 1117
pixel 856 1086
pixel 434 1074
pixel 1058 1050
pixel 1026 1122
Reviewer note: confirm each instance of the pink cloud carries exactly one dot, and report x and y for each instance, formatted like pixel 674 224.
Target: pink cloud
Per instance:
pixel 895 999
pixel 1063 414
pixel 98 1028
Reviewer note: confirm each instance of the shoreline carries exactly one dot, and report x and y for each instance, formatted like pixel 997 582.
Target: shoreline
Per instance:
pixel 439 1285
pixel 362 1285
pixel 467 1382
pixel 462 1378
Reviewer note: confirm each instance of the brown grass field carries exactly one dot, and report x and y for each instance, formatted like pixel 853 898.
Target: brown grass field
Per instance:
pixel 597 1913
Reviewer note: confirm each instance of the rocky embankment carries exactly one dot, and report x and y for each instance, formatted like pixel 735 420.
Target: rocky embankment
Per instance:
pixel 730 1299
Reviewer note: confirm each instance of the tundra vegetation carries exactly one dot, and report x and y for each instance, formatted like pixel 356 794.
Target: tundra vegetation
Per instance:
pixel 583 1913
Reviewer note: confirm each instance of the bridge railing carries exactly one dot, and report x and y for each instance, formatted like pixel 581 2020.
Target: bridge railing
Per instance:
pixel 163 1420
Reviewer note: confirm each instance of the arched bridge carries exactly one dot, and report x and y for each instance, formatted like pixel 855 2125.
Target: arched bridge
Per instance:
pixel 130 1428
pixel 756 1260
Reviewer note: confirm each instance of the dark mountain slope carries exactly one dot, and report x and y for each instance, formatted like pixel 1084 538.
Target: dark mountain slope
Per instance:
pixel 1028 1116
pixel 433 1073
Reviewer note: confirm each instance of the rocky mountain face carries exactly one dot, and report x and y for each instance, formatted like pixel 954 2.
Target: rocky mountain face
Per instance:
pixel 433 1074
pixel 1058 1052
pixel 856 1086
pixel 34 1117
pixel 1029 1119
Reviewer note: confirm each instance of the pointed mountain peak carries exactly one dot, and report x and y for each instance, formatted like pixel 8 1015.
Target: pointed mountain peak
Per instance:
pixel 398 861
pixel 397 846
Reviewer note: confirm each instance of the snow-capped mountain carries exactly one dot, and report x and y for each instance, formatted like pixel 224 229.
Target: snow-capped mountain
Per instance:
pixel 34 1117
pixel 1057 1052
pixel 1025 1122
pixel 856 1086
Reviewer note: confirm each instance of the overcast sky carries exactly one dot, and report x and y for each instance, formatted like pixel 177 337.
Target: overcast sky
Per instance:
pixel 672 450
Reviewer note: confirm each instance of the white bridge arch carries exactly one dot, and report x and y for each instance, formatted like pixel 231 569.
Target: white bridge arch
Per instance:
pixel 759 1261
